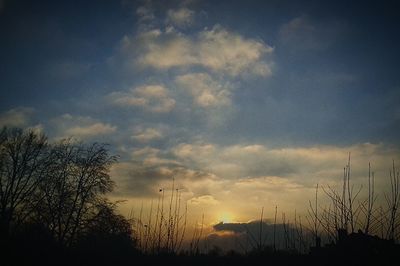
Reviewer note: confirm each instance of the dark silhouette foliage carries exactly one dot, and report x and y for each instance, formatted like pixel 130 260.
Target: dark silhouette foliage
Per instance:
pixel 53 204
pixel 23 165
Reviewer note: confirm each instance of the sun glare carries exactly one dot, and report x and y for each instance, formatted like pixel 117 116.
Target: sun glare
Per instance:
pixel 225 217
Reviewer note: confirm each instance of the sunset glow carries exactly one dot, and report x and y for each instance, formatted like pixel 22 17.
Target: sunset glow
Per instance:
pixel 217 111
pixel 226 217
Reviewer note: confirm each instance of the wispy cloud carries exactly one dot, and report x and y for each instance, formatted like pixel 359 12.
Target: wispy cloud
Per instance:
pixel 16 117
pixel 139 179
pixel 217 50
pixel 217 178
pixel 222 50
pixel 80 127
pixel 181 17
pixel 305 165
pixel 206 91
pixel 151 98
pixel 139 153
pixel 194 152
pixel 145 14
pixel 90 130
pixel 204 200
pixel 148 134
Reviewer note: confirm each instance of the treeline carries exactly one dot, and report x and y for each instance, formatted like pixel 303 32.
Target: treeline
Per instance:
pixel 52 198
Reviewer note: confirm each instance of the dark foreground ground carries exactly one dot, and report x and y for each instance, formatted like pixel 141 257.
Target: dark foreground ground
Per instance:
pixel 52 257
pixel 354 249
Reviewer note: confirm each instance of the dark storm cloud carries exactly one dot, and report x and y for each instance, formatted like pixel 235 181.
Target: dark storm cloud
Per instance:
pixel 137 179
pixel 246 236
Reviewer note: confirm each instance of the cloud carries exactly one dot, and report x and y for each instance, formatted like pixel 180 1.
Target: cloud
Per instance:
pixel 145 14
pixel 153 157
pixel 146 151
pixel 181 17
pixel 204 200
pixel 80 127
pixel 217 50
pixel 150 98
pixel 287 193
pixel 147 135
pixel 304 165
pixel 194 152
pixel 16 117
pixel 90 130
pixel 252 226
pixel 268 183
pixel 134 179
pixel 160 50
pixel 205 91
pixel 37 129
pixel 248 234
pixel 203 65
pixel 150 169
pixel 141 179
pixel 235 181
pixel 222 50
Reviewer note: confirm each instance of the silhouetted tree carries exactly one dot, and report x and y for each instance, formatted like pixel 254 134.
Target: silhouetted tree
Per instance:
pixel 107 232
pixel 77 179
pixel 23 165
pixel 52 199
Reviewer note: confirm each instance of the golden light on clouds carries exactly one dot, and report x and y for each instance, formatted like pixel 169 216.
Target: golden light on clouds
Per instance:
pixel 216 116
pixel 226 217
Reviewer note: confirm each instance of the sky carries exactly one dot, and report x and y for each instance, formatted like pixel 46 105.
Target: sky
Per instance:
pixel 245 104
